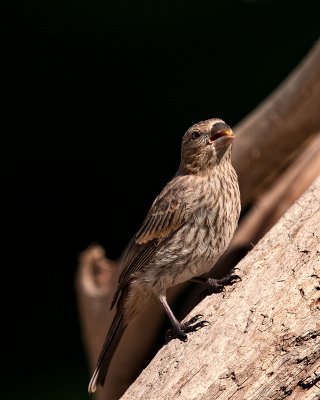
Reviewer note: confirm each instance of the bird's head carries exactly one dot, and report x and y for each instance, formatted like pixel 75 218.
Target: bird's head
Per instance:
pixel 205 145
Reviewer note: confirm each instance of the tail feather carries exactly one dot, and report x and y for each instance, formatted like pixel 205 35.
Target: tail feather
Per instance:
pixel 114 335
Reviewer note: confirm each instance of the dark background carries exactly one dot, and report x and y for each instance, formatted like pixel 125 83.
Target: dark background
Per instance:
pixel 96 98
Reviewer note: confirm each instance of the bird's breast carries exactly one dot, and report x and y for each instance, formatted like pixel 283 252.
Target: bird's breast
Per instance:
pixel 201 240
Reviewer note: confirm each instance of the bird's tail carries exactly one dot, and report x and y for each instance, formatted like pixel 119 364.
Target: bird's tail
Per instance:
pixel 113 337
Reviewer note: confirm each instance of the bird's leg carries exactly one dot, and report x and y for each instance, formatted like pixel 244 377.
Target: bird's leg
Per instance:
pixel 218 285
pixel 180 329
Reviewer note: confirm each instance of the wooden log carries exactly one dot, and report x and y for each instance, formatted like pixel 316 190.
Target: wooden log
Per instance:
pixel 266 211
pixel 281 195
pixel 97 276
pixel 263 341
pixel 96 281
pixel 272 132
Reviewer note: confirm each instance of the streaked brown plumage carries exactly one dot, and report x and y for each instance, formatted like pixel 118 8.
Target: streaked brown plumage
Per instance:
pixel 187 228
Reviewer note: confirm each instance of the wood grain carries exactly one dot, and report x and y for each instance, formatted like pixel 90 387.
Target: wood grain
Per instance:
pixel 263 340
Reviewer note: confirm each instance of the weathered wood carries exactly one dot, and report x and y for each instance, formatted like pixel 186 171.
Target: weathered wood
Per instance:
pixel 281 195
pixel 266 211
pixel 263 341
pixel 272 132
pixel 95 282
pixel 269 135
pixel 97 278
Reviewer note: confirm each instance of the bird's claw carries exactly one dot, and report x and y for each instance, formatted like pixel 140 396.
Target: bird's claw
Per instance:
pixel 194 324
pixel 176 334
pixel 190 326
pixel 218 285
pixel 227 280
pixel 194 319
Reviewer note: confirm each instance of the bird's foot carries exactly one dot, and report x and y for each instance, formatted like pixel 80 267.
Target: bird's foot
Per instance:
pixel 180 332
pixel 218 285
pixel 194 324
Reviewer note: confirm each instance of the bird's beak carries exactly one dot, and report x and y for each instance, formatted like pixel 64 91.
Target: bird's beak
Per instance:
pixel 229 133
pixel 223 133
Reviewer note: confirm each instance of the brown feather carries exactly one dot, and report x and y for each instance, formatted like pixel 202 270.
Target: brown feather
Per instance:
pixel 186 230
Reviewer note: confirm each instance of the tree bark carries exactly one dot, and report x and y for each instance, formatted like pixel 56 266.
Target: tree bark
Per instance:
pixel 272 132
pixel 278 198
pixel 268 138
pixel 263 341
pixel 95 282
pixel 267 210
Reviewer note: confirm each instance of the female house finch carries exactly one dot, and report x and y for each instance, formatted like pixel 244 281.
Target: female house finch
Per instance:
pixel 186 230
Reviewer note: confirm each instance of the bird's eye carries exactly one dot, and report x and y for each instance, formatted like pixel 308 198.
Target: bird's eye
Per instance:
pixel 195 134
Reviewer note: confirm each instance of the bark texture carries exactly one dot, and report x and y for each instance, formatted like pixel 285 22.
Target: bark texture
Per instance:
pixel 96 281
pixel 273 131
pixel 274 169
pixel 96 278
pixel 294 181
pixel 263 341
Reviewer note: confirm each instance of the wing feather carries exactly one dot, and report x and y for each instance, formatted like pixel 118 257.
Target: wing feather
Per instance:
pixel 166 215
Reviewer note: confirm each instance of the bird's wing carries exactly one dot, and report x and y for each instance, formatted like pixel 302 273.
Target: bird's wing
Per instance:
pixel 166 215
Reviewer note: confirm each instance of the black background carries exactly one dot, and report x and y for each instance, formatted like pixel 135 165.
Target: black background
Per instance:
pixel 96 98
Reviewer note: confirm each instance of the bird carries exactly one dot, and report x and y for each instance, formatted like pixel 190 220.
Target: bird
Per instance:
pixel 187 228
